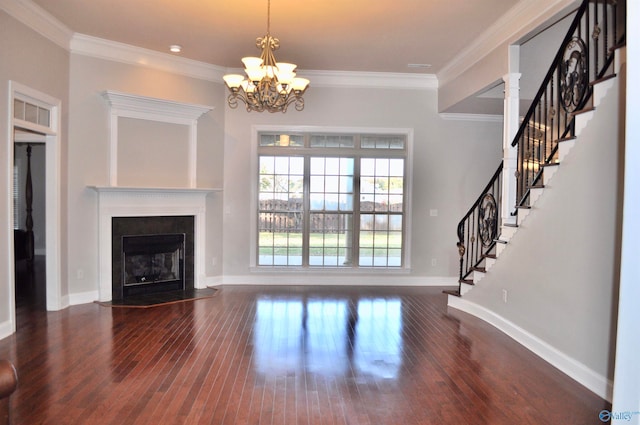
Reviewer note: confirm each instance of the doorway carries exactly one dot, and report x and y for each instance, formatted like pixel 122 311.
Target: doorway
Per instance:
pixel 29 219
pixel 36 115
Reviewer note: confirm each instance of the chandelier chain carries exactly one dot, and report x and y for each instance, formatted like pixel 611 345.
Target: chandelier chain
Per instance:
pixel 268 17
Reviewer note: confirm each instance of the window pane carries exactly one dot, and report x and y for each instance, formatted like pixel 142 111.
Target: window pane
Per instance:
pixel 395 203
pixel 317 184
pixel 369 141
pixel 43 117
pixel 382 167
pixel 331 141
pixel 330 239
pixel 367 167
pixel 332 184
pixel 283 140
pixel 395 223
pixel 31 113
pixel 396 167
pixel 18 109
pixel 332 166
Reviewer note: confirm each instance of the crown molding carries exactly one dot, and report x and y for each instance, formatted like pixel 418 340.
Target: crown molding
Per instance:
pixel 42 22
pixel 448 116
pixel 515 23
pixel 124 53
pixel 381 80
pixel 135 106
pixel 39 20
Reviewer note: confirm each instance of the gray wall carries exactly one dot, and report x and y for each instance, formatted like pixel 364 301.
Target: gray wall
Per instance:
pixel 31 60
pixel 89 148
pixel 452 160
pixel 561 268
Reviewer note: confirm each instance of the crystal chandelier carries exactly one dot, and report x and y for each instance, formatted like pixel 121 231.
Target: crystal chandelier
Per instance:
pixel 270 86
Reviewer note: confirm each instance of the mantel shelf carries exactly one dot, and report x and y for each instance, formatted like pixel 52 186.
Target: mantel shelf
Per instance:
pixel 122 189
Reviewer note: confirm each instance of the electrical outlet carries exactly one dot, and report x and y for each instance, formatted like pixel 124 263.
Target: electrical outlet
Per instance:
pixel 433 213
pixel 79 274
pixel 434 262
pixel 504 295
pixel 214 261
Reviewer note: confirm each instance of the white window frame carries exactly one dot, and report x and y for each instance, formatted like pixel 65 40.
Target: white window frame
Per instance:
pixel 253 190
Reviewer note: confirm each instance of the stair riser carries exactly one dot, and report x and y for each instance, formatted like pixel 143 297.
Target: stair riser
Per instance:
pixel 564 148
pixel 535 194
pixel 548 174
pixel 582 120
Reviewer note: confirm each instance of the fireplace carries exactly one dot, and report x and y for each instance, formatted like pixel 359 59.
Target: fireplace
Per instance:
pixel 151 255
pixel 152 263
pixel 147 211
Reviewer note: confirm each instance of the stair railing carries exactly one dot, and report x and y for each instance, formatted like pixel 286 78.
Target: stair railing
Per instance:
pixel 585 56
pixel 478 229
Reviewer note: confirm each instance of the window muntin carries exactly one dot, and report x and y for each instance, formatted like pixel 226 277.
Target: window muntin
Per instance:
pixel 331 200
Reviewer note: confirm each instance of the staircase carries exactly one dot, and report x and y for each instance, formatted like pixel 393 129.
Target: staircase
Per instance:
pixel 582 72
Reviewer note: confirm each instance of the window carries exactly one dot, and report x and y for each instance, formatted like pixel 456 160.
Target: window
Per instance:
pixel 331 200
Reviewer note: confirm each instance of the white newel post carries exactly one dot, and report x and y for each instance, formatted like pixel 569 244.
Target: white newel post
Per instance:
pixel 510 153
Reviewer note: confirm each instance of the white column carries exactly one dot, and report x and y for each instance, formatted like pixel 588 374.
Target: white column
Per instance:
pixel 626 385
pixel 510 154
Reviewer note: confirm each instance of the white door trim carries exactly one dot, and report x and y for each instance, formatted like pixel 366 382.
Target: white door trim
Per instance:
pixel 53 226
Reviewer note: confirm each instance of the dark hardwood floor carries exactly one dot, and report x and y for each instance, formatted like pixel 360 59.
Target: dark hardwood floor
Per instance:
pixel 284 355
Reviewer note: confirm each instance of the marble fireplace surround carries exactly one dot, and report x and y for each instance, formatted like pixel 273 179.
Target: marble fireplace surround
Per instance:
pixel 147 202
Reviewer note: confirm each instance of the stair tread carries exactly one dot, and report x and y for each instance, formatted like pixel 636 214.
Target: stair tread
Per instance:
pixel 492 256
pixel 603 79
pixel 537 186
pixel 524 207
pixel 620 45
pixel 479 269
pixel 584 110
pixel 467 281
pixel 451 292
pixel 550 164
pixel 510 225
pixel 500 241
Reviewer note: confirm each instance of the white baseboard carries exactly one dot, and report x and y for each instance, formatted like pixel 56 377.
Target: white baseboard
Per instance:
pixel 327 279
pixel 6 329
pixel 83 297
pixel 210 281
pixel 592 380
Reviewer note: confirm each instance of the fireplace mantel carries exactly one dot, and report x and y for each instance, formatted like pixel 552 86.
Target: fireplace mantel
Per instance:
pixel 151 190
pixel 118 201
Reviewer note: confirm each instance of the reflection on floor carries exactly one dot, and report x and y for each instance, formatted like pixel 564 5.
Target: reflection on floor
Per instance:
pixel 337 335
pixel 284 355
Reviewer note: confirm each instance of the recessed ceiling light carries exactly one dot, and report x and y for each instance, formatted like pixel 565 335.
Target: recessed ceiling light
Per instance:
pixel 175 48
pixel 419 65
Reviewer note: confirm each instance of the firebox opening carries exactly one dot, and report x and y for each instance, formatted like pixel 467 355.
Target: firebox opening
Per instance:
pixel 152 263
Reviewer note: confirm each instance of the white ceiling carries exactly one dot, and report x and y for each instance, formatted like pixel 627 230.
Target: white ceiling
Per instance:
pixel 337 35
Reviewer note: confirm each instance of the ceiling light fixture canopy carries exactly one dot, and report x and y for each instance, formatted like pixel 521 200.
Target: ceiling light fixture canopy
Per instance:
pixel 269 86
